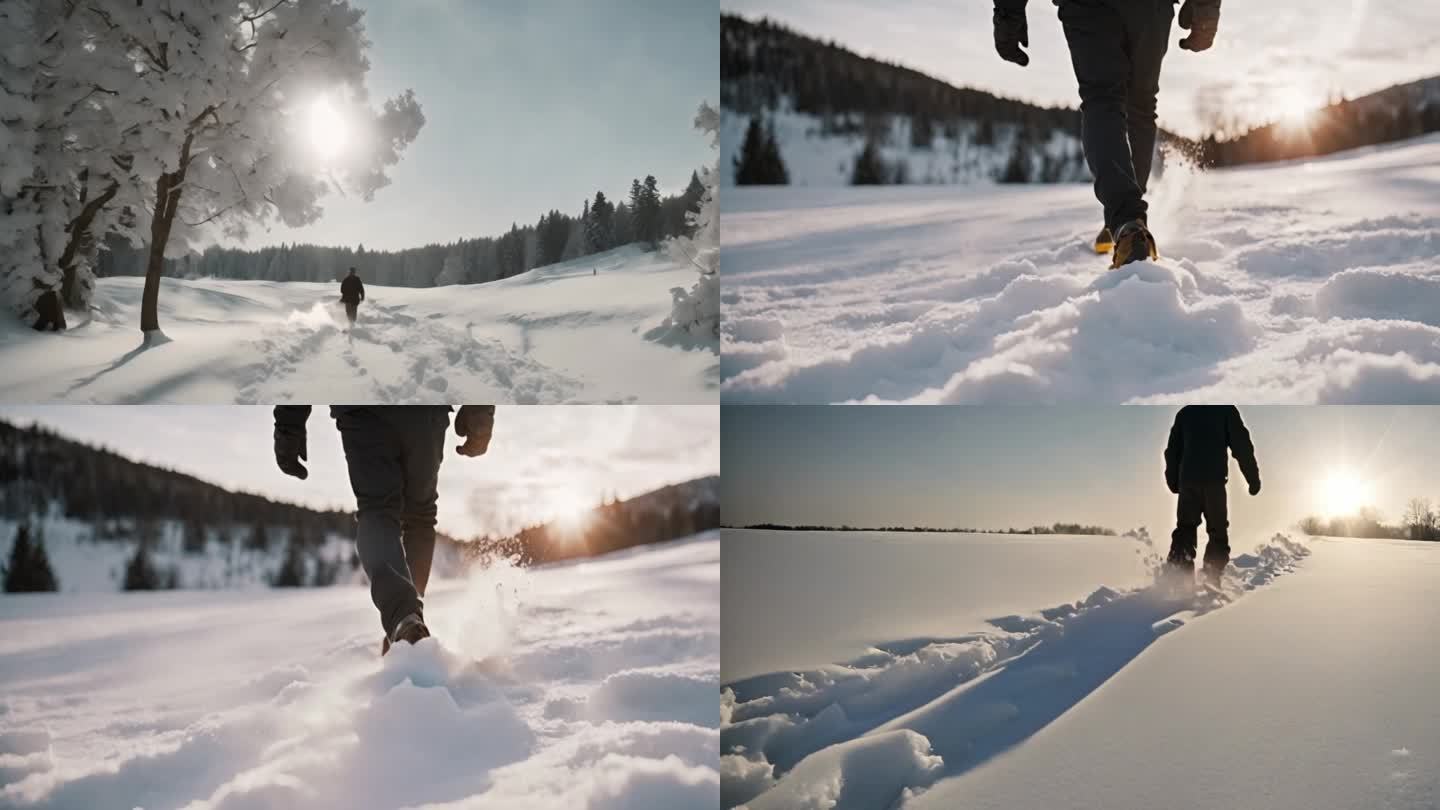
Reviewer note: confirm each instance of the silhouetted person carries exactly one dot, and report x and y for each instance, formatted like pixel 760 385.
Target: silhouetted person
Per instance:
pixel 352 292
pixel 1197 467
pixel 51 314
pixel 1116 47
pixel 393 453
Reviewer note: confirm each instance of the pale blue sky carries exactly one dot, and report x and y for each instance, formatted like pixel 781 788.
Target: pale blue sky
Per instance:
pixel 996 467
pixel 541 457
pixel 1264 52
pixel 530 105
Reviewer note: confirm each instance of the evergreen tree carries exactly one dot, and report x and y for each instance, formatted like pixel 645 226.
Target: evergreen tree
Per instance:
pixel 869 169
pixel 1018 169
pixel 140 572
pixel 259 539
pixel 759 162
pixel 649 211
pixel 29 568
pixel 292 571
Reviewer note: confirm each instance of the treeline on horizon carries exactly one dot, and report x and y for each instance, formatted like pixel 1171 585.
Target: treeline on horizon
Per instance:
pixel 1421 521
pixel 602 224
pixel 764 64
pixel 1055 528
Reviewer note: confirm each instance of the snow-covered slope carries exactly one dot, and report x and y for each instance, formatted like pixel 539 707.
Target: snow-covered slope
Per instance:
pixel 1314 281
pixel 814 158
pixel 571 332
pixel 584 685
pixel 1304 686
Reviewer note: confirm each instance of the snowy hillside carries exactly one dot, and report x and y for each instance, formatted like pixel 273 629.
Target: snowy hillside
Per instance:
pixel 586 685
pixel 570 332
pixel 815 157
pixel 1298 688
pixel 1315 281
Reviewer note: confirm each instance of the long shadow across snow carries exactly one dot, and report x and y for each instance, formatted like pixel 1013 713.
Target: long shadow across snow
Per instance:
pixel 976 722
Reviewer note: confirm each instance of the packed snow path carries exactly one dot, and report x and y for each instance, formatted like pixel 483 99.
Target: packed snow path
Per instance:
pixel 1308 685
pixel 585 685
pixel 1309 281
pixel 572 332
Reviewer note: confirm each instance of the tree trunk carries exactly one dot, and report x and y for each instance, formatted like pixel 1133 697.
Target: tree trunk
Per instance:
pixel 155 267
pixel 79 232
pixel 167 203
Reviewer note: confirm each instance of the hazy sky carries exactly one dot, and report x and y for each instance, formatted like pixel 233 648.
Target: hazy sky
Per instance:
pixel 529 106
pixel 995 467
pixel 1264 53
pixel 541 458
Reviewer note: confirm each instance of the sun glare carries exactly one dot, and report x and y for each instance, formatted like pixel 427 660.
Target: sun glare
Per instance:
pixel 571 511
pixel 1342 492
pixel 1295 106
pixel 326 129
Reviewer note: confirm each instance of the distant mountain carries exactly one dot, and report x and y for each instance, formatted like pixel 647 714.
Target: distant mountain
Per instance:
pixel 95 510
pixel 801 111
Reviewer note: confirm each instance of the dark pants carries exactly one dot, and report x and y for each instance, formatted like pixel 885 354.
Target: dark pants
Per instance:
pixel 1195 502
pixel 351 307
pixel 394 456
pixel 1116 47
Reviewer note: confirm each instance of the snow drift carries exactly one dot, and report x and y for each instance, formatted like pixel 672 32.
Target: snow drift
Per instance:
pixel 1310 281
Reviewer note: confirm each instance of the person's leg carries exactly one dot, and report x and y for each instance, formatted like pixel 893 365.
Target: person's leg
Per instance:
pixel 1096 36
pixel 423 430
pixel 1148 25
pixel 1188 508
pixel 1217 526
pixel 350 310
pixel 377 475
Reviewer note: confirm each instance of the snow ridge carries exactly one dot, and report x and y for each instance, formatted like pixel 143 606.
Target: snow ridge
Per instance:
pixel 884 726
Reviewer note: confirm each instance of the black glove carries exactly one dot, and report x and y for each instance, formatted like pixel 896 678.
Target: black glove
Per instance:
pixel 1011 31
pixel 1255 487
pixel 1200 18
pixel 289 450
pixel 1174 487
pixel 474 422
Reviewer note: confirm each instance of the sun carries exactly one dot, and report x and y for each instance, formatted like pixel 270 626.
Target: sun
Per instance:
pixel 326 129
pixel 1295 105
pixel 1342 492
pixel 570 511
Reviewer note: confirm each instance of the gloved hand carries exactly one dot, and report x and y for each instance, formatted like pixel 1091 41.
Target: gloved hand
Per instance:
pixel 1255 487
pixel 1172 486
pixel 289 450
pixel 474 422
pixel 1011 31
pixel 1200 18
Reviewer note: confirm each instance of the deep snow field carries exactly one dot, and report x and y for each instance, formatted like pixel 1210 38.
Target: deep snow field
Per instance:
pixel 555 334
pixel 580 685
pixel 1308 281
pixel 1307 684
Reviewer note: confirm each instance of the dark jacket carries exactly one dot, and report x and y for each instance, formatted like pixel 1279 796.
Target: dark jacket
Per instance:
pixel 352 290
pixel 1196 454
pixel 292 418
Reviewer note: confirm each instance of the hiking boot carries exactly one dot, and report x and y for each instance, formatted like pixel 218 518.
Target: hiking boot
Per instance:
pixel 410 630
pixel 1104 241
pixel 1211 574
pixel 1133 242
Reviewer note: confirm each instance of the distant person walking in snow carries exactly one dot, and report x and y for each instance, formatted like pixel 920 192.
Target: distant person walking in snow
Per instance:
pixel 394 455
pixel 352 292
pixel 1197 468
pixel 1116 47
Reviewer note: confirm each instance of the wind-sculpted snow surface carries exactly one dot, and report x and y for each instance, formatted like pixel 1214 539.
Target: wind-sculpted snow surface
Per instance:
pixel 588 685
pixel 871 731
pixel 1314 281
pixel 572 332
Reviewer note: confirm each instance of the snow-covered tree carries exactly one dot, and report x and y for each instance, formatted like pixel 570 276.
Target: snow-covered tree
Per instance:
pixel 697 310
pixel 219 114
pixel 453 271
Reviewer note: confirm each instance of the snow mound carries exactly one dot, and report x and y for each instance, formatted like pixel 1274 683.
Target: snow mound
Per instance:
pixel 799 724
pixel 922 295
